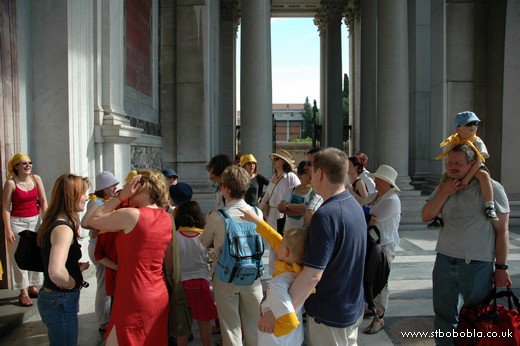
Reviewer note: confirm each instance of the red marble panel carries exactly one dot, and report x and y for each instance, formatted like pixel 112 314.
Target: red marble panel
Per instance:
pixel 138 45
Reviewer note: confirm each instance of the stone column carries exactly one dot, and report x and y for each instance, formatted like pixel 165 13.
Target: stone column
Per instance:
pixel 332 118
pixel 256 83
pixel 323 63
pixel 368 99
pixel 420 84
pixel 230 19
pixel 510 165
pixel 392 88
pixel 62 83
pixel 113 131
pixel 351 21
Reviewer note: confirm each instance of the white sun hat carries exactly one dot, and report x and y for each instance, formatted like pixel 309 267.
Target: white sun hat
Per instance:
pixel 105 179
pixel 386 173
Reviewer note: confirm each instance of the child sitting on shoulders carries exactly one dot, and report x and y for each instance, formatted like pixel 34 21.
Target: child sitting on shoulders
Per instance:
pixel 194 269
pixel 290 249
pixel 466 126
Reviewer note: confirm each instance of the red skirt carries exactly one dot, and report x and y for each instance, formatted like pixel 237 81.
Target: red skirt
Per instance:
pixel 200 300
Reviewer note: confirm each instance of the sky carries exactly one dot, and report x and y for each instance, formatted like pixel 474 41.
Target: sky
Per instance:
pixel 295 52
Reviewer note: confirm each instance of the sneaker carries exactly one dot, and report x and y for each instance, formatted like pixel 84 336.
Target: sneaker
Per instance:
pixel 436 223
pixel 491 214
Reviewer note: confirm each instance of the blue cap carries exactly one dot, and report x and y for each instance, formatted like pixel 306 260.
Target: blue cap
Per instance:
pixel 170 173
pixel 181 193
pixel 465 117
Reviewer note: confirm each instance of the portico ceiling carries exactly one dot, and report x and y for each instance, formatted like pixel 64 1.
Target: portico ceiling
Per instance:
pixel 294 8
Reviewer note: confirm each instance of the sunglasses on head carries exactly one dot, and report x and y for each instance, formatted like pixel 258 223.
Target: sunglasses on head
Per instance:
pixel 472 123
pixel 25 163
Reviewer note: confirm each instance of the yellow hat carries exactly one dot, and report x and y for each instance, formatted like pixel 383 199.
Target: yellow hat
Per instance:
pixel 247 158
pixel 130 176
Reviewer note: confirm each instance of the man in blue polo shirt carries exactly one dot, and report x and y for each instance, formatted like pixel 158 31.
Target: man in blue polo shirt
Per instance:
pixel 334 257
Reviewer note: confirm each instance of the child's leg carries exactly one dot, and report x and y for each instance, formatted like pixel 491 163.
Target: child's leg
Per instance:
pixel 205 332
pixel 485 186
pixel 487 193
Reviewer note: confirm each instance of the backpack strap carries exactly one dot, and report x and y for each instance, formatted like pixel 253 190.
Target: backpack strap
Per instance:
pixel 224 214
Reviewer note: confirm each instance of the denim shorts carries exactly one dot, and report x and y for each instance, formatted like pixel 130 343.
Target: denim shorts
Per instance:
pixel 59 312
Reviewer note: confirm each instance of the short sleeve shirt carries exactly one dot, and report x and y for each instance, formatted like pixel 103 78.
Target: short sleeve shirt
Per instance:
pixel 336 242
pixel 466 233
pixel 479 144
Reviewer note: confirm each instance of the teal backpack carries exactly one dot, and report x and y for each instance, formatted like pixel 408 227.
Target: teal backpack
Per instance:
pixel 240 262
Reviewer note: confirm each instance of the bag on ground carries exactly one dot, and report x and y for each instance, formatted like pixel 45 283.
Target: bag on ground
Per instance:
pixel 241 260
pixel 377 268
pixel 490 324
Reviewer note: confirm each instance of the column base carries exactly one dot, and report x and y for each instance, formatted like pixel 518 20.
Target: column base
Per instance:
pixel 403 182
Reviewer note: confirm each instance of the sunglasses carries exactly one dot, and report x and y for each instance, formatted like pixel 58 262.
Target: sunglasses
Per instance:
pixel 276 158
pixel 472 123
pixel 26 163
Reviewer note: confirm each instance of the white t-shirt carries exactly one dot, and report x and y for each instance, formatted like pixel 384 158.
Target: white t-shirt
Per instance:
pixel 279 301
pixel 369 182
pixel 388 214
pixel 192 256
pixel 276 194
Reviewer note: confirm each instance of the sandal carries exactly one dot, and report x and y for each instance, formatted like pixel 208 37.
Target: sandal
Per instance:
pixel 33 292
pixel 375 326
pixel 25 301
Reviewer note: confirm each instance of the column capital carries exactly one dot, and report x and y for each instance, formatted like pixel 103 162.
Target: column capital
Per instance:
pixel 352 15
pixel 328 11
pixel 230 11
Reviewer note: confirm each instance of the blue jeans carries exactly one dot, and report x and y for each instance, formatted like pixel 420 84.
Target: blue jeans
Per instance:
pixel 59 312
pixel 456 282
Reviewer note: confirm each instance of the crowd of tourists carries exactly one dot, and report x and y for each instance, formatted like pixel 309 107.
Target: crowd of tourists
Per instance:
pixel 312 217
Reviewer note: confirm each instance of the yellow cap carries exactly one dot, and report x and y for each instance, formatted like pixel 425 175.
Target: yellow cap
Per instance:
pixel 247 158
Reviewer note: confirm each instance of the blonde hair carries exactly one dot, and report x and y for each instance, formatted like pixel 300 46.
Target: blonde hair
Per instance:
pixel 11 166
pixel 155 183
pixel 237 180
pixel 295 239
pixel 66 193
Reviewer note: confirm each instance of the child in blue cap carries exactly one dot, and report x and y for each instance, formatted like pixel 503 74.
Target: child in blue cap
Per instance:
pixel 467 124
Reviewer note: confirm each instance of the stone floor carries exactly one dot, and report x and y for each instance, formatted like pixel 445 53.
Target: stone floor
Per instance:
pixel 410 308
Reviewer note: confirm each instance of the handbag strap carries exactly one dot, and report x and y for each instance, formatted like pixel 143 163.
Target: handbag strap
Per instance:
pixel 511 298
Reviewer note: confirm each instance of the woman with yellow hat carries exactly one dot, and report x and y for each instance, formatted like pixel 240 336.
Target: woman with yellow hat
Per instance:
pixel 258 181
pixel 23 201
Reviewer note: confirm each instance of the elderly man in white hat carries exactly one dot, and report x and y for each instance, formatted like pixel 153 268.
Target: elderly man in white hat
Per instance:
pixel 385 208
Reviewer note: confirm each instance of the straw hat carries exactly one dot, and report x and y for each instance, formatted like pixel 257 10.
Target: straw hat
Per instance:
pixel 387 174
pixel 284 155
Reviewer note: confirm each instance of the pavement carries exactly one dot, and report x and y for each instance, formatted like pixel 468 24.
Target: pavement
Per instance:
pixel 410 307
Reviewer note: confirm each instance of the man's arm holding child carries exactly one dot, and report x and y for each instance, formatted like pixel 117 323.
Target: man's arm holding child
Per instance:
pixel 433 206
pixel 300 290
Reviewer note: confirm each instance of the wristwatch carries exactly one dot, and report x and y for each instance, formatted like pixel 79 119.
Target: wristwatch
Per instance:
pixel 501 266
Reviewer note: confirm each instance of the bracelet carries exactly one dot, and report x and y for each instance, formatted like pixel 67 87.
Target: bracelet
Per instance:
pixel 121 200
pixel 501 266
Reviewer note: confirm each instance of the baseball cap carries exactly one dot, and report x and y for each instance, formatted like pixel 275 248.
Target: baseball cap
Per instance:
pixel 465 117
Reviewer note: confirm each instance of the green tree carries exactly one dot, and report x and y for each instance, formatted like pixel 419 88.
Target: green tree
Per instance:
pixel 316 112
pixel 307 118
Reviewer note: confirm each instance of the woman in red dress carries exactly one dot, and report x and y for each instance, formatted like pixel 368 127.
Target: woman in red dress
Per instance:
pixel 140 311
